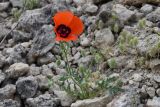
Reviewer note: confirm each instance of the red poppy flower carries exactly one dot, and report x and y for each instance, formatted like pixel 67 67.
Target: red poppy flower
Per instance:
pixel 67 26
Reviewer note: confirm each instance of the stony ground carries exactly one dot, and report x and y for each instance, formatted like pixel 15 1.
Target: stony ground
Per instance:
pixel 127 33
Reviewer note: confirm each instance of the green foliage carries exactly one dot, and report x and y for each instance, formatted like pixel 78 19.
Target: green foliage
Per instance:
pixel 127 40
pixel 141 61
pixel 31 4
pixel 116 28
pixel 154 50
pixel 82 82
pixel 142 23
pixel 16 14
pixel 112 63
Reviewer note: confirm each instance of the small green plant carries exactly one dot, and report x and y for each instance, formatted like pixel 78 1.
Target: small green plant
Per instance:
pixel 83 83
pixel 116 28
pixel 112 63
pixel 126 41
pixel 154 50
pixel 142 23
pixel 16 14
pixel 141 61
pixel 31 4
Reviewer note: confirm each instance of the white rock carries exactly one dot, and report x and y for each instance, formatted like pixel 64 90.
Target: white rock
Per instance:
pixel 123 13
pixel 155 102
pixel 85 42
pixel 137 77
pixel 4 6
pixel 96 102
pixel 151 91
pixel 146 8
pixel 104 38
pixel 66 100
pixel 16 70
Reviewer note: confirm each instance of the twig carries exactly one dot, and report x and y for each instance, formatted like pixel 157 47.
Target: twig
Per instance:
pixel 8 34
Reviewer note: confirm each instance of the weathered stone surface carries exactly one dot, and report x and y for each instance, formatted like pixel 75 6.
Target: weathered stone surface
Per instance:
pixel 42 43
pixel 4 6
pixel 45 100
pixel 155 102
pixel 66 100
pixel 16 70
pixel 123 13
pixel 10 103
pixel 17 3
pixel 7 92
pixel 154 16
pixel 96 102
pixel 27 86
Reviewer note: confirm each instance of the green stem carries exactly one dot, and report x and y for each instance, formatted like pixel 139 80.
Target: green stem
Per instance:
pixel 68 67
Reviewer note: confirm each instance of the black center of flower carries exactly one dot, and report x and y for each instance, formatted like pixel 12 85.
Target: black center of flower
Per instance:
pixel 63 30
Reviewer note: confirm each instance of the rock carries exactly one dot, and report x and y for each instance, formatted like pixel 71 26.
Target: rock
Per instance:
pixel 16 54
pixel 19 36
pixel 27 86
pixel 47 71
pixel 85 42
pixel 46 59
pixel 156 78
pixel 104 38
pixel 85 60
pixel 42 43
pixel 2 76
pixel 151 91
pixel 42 82
pixel 155 65
pixel 155 102
pixel 96 102
pixel 123 13
pixel 16 70
pixel 147 8
pixel 139 2
pixel 2 60
pixel 79 2
pixel 158 92
pixel 97 1
pixel 34 70
pixel 45 100
pixel 32 20
pixel 66 100
pixel 17 3
pixel 90 8
pixel 3 31
pixel 10 103
pixel 4 6
pixel 137 77
pixel 154 16
pixel 7 92
pixel 124 100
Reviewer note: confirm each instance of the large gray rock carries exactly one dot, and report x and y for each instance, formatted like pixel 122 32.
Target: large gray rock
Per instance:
pixel 154 16
pixel 27 86
pixel 124 100
pixel 3 31
pixel 7 92
pixel 33 19
pixel 4 6
pixel 9 103
pixel 104 38
pixel 96 102
pixel 155 102
pixel 146 8
pixel 42 43
pixel 16 70
pixel 45 100
pixel 90 8
pixel 123 13
pixel 17 3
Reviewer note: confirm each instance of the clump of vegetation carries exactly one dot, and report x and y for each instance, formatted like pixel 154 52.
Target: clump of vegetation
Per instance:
pixel 112 63
pixel 16 14
pixel 155 50
pixel 83 83
pixel 31 4
pixel 142 23
pixel 127 40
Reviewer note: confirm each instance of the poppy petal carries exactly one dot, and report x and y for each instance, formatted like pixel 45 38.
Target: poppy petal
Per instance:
pixel 69 38
pixel 63 17
pixel 76 26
